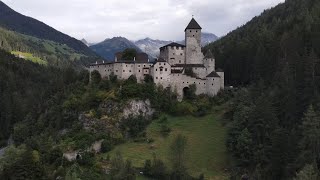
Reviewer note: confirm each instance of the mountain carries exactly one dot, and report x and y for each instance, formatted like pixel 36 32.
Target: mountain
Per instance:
pixel 40 50
pixel 257 50
pixel 275 61
pixel 151 46
pixel 109 47
pixel 85 42
pixel 206 38
pixel 12 20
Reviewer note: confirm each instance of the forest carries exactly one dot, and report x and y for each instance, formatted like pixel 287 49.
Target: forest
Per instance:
pixel 41 111
pixel 274 60
pixel 272 113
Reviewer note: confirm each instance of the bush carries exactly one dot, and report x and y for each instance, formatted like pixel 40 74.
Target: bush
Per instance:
pixel 184 108
pixel 95 77
pixel 86 159
pixel 134 127
pixel 106 146
pixel 165 130
pixel 163 119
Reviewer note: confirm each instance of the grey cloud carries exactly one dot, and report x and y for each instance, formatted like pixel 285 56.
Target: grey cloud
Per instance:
pixel 97 20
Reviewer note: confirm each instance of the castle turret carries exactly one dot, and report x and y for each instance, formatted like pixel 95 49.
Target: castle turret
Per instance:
pixel 209 62
pixel 193 43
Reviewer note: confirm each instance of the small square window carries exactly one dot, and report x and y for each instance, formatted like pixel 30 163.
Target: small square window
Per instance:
pixel 156 77
pixel 124 71
pixel 166 69
pixel 139 71
pixel 161 78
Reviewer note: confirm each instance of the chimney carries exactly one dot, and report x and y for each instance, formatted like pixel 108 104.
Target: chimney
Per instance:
pixel 148 60
pixel 115 59
pixel 96 62
pixel 134 59
pixel 103 62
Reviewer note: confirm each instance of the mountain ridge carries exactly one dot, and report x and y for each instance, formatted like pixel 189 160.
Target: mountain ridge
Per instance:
pixel 151 46
pixel 109 47
pixel 12 20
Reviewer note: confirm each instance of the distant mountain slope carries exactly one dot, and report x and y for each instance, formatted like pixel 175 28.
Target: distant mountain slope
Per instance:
pixel 109 47
pixel 85 42
pixel 17 22
pixel 151 46
pixel 206 38
pixel 269 42
pixel 52 53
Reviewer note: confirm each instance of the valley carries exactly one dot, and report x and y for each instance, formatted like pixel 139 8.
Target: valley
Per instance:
pixel 206 151
pixel 242 106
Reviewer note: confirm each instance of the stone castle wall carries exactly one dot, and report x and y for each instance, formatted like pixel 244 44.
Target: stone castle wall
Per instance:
pixel 171 68
pixel 193 46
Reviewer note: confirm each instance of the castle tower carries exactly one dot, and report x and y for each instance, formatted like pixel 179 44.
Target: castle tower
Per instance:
pixel 209 62
pixel 193 43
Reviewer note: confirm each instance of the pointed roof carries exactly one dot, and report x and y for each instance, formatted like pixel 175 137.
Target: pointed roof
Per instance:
pixel 209 55
pixel 193 25
pixel 213 74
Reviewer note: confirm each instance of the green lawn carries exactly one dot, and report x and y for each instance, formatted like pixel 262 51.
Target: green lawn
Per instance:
pixel 206 145
pixel 30 57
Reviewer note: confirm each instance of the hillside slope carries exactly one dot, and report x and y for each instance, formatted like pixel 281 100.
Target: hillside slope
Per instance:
pixel 49 51
pixel 17 22
pixel 206 152
pixel 260 48
pixel 109 47
pixel 275 59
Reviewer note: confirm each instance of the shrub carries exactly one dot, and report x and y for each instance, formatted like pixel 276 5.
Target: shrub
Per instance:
pixel 106 146
pixel 165 130
pixel 95 77
pixel 163 119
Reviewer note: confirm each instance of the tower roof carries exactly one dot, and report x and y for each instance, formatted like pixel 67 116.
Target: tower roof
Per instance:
pixel 213 74
pixel 209 55
pixel 173 45
pixel 193 25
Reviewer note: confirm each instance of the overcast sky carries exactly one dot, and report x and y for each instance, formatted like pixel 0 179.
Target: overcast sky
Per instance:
pixel 96 20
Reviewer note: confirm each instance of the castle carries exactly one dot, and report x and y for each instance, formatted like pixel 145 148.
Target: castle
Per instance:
pixel 178 66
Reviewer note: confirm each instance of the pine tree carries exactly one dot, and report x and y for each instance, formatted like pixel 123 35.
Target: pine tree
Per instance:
pixel 311 134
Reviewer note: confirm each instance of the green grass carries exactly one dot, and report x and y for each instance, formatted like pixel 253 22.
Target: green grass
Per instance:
pixel 206 151
pixel 30 57
pixel 44 48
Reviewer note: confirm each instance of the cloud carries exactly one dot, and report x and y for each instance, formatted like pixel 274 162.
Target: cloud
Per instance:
pixel 96 20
